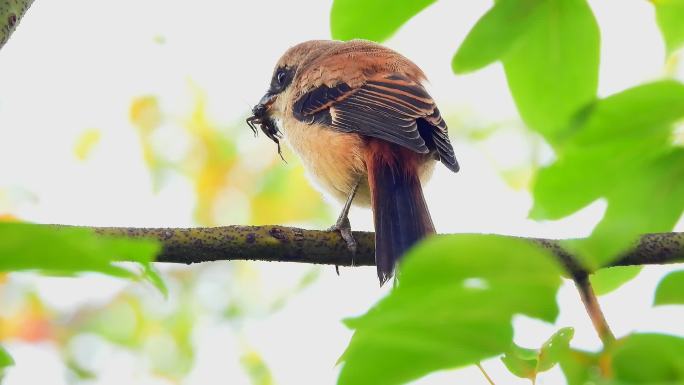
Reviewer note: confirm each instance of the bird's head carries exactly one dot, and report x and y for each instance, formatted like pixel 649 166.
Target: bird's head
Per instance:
pixel 293 62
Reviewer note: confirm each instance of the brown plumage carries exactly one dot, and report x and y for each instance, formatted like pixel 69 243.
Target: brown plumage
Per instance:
pixel 366 130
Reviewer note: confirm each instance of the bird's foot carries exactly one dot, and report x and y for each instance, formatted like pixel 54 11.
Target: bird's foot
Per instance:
pixel 344 228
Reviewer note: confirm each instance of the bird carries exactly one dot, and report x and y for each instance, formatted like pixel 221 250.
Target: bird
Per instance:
pixel 359 117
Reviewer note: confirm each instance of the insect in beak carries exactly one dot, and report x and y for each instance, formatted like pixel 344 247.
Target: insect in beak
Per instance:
pixel 264 122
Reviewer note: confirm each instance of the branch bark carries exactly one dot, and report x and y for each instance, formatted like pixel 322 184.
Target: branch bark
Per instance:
pixel 290 244
pixel 11 11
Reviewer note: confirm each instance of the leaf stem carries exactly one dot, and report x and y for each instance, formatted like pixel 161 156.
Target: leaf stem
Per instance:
pixel 484 373
pixel 593 308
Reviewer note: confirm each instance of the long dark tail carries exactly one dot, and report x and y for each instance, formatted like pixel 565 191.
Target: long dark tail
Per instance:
pixel 400 213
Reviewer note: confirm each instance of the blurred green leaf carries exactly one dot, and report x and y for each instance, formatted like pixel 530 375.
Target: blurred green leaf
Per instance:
pixel 619 134
pixel 256 368
pixel 6 360
pixel 552 69
pixel 86 143
pixel 649 359
pixel 78 372
pixel 528 363
pixel 649 200
pixel 519 366
pixel 635 112
pixel 620 150
pixel 494 34
pixel 554 348
pixel 670 16
pixel 120 322
pixel 164 338
pixel 604 281
pixel 174 341
pixel 69 250
pixel 151 274
pixel 670 290
pixel 166 356
pixel 284 195
pixel 452 307
pixel 580 368
pixel 582 174
pixel 375 20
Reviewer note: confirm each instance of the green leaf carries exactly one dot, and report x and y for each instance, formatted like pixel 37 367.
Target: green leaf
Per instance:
pixel 649 359
pixel 452 307
pixel 69 250
pixel 555 348
pixel 527 363
pixel 519 366
pixel 582 175
pixel 605 281
pixel 494 34
pixel 649 200
pixel 580 368
pixel 618 135
pixel 635 112
pixel 670 290
pixel 6 360
pixel 552 69
pixel 669 15
pixel 151 274
pixel 375 20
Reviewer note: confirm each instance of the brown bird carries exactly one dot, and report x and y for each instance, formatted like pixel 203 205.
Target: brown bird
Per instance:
pixel 367 132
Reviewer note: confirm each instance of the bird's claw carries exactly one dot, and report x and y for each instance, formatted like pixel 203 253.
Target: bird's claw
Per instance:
pixel 344 228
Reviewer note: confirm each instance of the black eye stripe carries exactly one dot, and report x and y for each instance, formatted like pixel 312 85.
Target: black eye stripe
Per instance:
pixel 281 79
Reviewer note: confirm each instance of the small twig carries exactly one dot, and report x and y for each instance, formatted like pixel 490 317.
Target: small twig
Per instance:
pixel 484 373
pixel 594 310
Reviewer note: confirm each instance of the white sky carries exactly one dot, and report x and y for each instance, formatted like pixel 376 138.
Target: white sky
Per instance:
pixel 76 64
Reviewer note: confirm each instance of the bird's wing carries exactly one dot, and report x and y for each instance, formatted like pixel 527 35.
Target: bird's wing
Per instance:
pixel 389 107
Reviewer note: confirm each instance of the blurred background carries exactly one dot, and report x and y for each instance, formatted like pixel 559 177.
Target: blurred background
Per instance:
pixel 131 113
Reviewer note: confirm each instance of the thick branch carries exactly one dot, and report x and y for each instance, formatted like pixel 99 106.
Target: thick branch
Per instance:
pixel 289 244
pixel 11 11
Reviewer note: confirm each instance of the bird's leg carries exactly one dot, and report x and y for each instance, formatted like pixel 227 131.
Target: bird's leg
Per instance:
pixel 342 225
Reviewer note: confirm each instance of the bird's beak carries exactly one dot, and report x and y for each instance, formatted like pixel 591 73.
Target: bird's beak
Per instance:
pixel 267 99
pixel 264 104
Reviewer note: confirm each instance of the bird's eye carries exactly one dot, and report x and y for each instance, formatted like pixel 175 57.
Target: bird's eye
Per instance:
pixel 280 77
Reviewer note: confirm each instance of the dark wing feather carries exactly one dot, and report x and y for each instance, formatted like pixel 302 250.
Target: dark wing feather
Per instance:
pixel 392 108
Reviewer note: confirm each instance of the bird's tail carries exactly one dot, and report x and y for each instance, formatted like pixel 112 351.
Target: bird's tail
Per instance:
pixel 400 213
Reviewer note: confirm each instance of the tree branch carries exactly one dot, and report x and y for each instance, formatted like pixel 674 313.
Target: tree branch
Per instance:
pixel 11 11
pixel 290 244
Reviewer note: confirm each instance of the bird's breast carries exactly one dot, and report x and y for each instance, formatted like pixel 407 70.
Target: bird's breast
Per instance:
pixel 334 159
